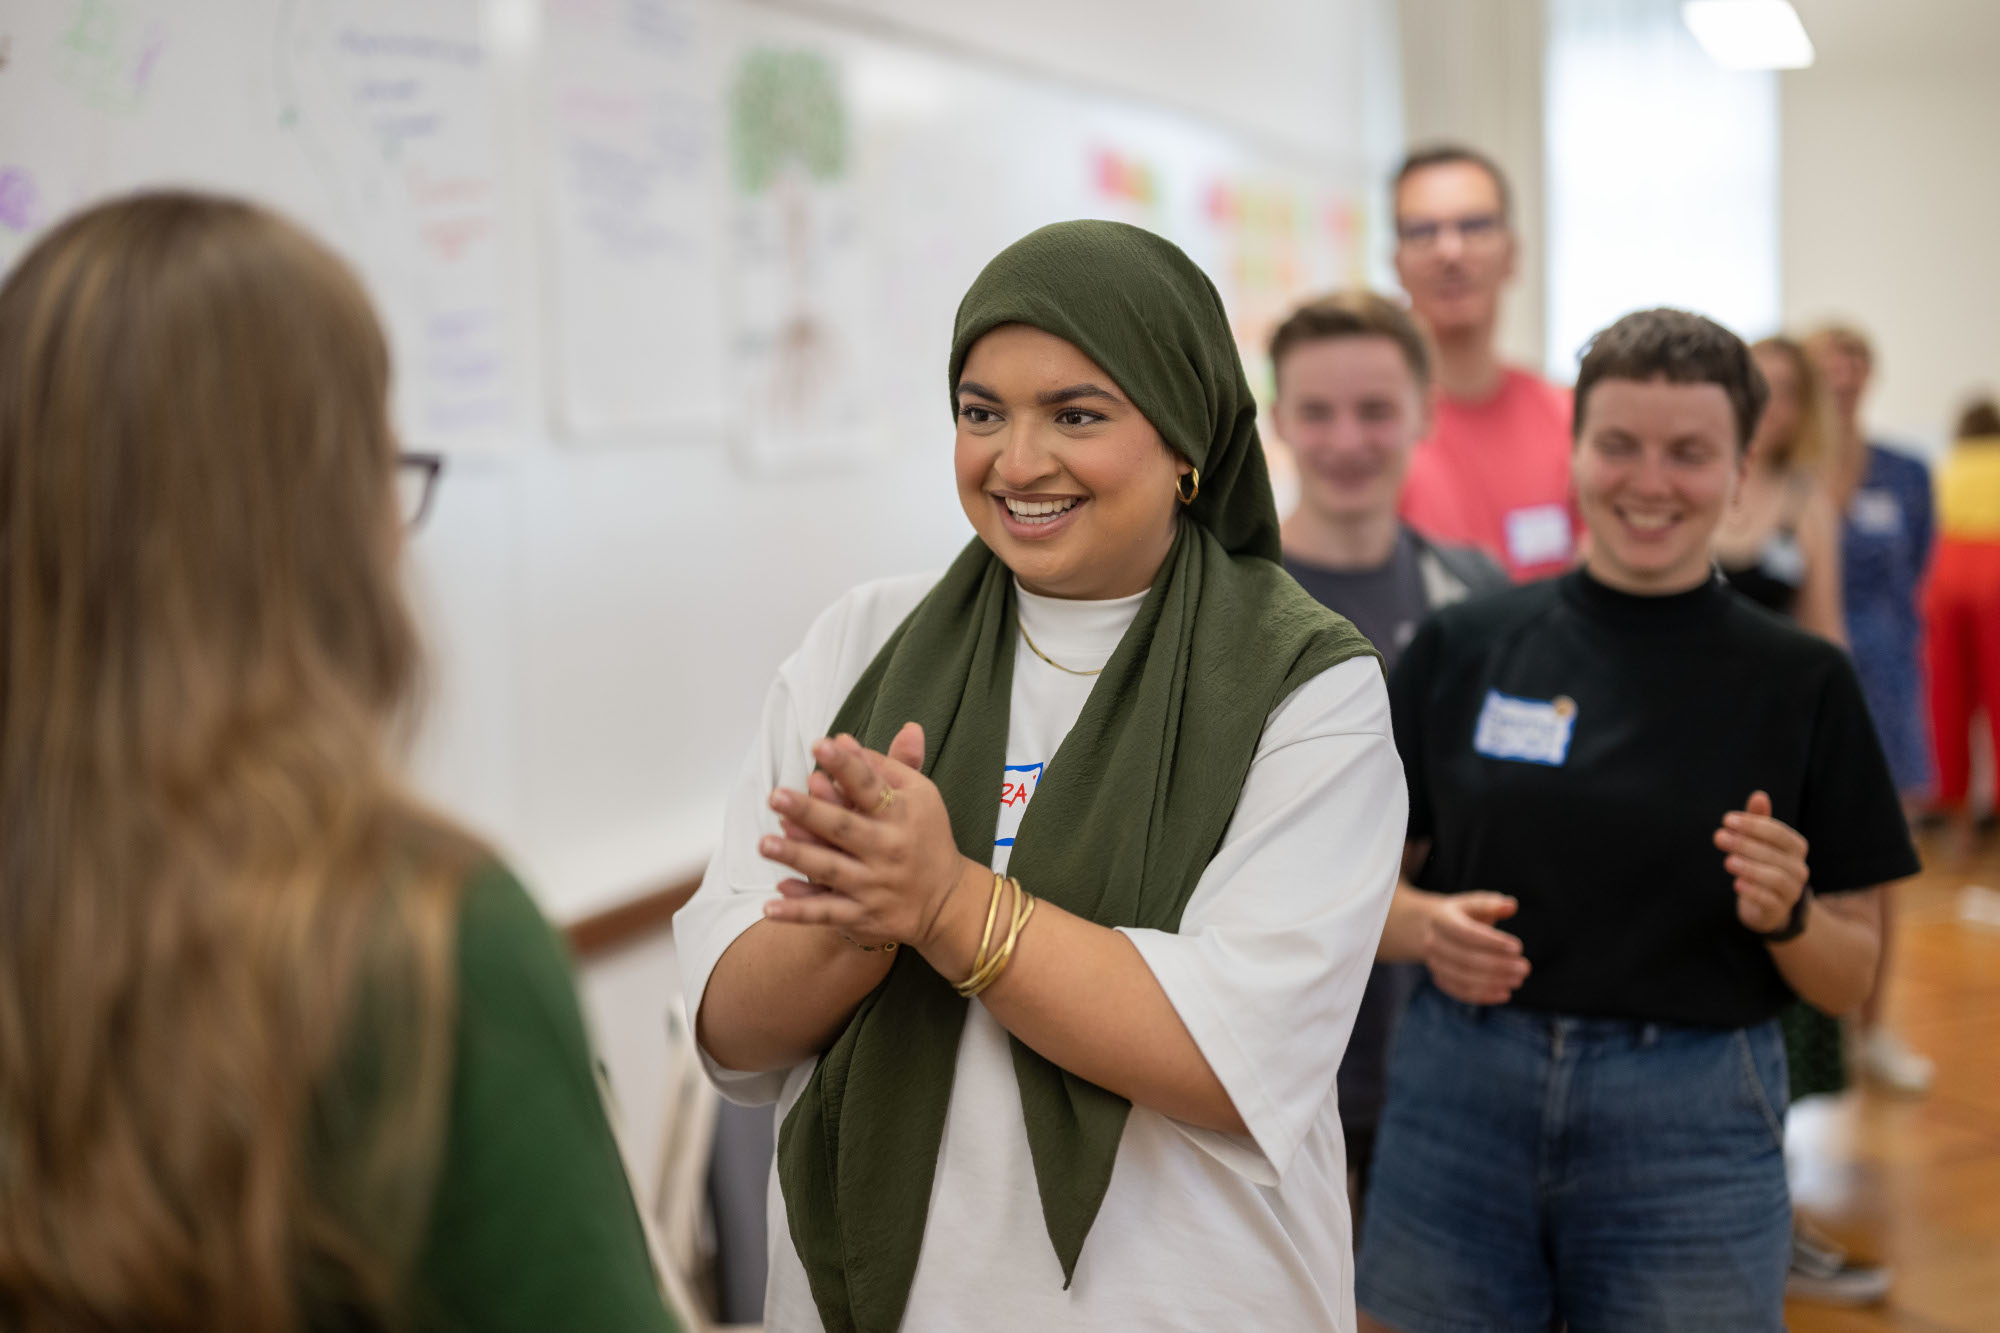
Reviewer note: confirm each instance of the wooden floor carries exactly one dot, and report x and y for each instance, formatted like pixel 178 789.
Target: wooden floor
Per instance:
pixel 1916 1182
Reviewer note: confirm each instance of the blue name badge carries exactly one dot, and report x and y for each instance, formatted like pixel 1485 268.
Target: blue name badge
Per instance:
pixel 1876 512
pixel 1528 731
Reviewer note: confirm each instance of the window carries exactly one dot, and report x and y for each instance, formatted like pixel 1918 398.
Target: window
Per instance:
pixel 1662 176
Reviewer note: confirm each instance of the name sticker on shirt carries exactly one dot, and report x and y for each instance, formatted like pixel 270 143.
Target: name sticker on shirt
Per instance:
pixel 1785 561
pixel 1528 731
pixel 1538 535
pixel 1876 512
pixel 1017 788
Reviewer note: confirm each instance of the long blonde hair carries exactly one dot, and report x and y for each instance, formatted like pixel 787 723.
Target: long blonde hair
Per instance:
pixel 1810 448
pixel 226 955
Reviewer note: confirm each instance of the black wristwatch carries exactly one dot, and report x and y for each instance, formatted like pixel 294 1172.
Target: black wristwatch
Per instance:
pixel 1795 925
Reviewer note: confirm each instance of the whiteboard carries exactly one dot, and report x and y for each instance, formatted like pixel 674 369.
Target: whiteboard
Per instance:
pixel 372 123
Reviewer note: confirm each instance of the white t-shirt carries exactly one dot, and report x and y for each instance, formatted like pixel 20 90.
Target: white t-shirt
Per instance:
pixel 1198 1230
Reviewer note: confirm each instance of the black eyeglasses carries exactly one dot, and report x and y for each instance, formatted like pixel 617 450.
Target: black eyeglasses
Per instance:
pixel 416 480
pixel 1474 229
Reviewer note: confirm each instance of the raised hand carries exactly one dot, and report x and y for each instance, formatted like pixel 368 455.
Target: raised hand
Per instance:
pixel 870 840
pixel 1768 858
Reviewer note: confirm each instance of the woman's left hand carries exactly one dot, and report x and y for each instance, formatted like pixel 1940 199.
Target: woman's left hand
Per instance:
pixel 875 854
pixel 1768 858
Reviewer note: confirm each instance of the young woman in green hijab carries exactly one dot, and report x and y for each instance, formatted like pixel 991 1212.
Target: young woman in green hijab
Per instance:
pixel 1115 779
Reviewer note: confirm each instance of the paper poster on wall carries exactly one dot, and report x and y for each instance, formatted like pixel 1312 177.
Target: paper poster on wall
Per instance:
pixel 799 295
pixel 372 122
pixel 391 105
pixel 635 223
pixel 1278 240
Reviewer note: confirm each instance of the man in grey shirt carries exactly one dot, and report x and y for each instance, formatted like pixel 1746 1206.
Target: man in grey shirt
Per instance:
pixel 1354 382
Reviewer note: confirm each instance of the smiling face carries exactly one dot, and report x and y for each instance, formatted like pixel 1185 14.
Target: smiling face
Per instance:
pixel 1351 410
pixel 1063 478
pixel 1656 464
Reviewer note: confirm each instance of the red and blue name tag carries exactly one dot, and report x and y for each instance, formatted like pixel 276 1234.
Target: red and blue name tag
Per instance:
pixel 1017 788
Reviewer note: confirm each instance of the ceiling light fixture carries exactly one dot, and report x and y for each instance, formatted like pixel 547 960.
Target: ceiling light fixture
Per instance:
pixel 1749 34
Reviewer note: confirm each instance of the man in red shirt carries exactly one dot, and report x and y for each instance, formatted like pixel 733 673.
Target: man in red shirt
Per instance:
pixel 1494 471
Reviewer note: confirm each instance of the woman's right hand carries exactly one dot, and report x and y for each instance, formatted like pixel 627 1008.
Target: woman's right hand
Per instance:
pixel 1468 958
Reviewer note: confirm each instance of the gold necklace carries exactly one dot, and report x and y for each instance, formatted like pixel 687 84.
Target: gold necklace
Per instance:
pixel 1050 660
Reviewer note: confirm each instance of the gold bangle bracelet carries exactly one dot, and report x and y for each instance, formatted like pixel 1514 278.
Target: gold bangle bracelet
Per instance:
pixel 983 958
pixel 1024 907
pixel 992 914
pixel 984 976
pixel 982 962
pixel 1014 936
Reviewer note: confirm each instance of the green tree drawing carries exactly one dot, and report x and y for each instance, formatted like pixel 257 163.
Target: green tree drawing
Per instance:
pixel 786 107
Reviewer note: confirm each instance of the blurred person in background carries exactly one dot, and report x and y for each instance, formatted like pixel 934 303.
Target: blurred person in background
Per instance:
pixel 1962 613
pixel 280 1048
pixel 1624 770
pixel 1885 500
pixel 1779 544
pixel 1353 375
pixel 1494 471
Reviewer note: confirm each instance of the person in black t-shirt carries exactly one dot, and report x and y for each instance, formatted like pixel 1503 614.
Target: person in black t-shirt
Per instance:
pixel 1635 775
pixel 1353 375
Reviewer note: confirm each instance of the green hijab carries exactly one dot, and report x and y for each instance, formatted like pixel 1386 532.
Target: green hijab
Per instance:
pixel 1129 811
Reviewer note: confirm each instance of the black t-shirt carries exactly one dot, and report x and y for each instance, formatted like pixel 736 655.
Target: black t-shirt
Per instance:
pixel 1577 747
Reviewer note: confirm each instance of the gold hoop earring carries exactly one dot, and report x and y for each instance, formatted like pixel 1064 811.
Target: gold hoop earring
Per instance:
pixel 1187 496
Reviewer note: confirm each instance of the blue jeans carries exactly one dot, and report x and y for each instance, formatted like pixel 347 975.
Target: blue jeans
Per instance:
pixel 1535 1171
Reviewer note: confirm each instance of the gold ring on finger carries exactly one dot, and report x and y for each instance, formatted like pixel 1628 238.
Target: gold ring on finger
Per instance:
pixel 888 799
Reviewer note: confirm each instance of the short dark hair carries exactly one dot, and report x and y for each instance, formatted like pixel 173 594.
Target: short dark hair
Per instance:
pixel 1980 419
pixel 1681 348
pixel 1355 313
pixel 1451 154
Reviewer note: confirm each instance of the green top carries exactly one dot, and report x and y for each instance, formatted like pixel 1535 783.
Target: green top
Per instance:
pixel 1135 801
pixel 533 1225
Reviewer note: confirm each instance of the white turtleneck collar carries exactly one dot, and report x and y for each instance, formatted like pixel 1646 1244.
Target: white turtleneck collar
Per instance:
pixel 1080 635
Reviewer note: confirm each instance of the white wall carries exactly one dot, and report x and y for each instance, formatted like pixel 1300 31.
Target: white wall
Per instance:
pixel 1891 197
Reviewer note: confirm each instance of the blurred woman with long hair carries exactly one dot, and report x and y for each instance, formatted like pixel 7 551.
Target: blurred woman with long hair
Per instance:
pixel 1888 527
pixel 1779 544
pixel 279 1048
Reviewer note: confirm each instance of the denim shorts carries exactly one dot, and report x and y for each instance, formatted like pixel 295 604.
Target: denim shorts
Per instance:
pixel 1534 1172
